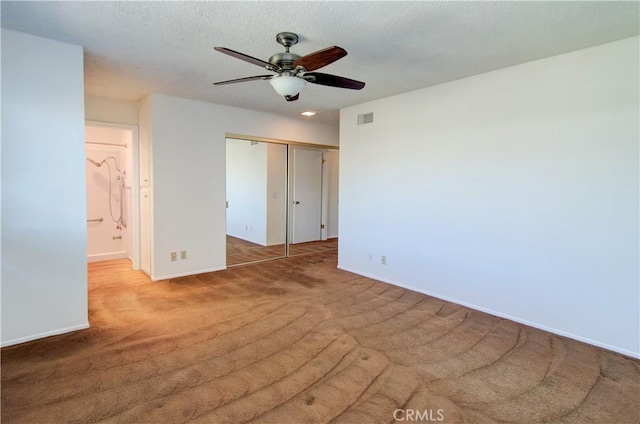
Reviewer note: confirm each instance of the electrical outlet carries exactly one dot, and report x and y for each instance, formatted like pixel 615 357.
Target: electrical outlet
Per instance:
pixel 183 255
pixel 383 260
pixel 174 257
pixel 370 257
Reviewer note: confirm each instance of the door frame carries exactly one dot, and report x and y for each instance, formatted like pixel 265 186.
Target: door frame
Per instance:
pixel 135 188
pixel 281 141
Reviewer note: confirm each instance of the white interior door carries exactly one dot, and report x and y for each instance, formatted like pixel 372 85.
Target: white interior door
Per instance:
pixel 306 207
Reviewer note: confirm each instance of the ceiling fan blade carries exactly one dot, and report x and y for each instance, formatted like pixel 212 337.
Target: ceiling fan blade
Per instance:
pixel 321 58
pixel 333 81
pixel 245 57
pixel 233 81
pixel 292 98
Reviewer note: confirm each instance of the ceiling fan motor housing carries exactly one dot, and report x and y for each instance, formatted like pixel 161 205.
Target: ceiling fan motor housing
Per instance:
pixel 284 60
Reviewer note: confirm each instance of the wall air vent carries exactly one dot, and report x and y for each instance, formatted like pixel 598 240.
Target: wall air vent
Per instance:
pixel 365 118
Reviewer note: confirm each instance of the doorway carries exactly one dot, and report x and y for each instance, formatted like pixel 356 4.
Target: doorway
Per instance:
pixel 112 204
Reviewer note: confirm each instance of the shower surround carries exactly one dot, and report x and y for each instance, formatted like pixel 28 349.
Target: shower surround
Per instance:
pixel 108 193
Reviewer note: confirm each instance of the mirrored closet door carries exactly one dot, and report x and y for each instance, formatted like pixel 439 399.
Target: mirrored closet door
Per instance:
pixel 282 200
pixel 256 201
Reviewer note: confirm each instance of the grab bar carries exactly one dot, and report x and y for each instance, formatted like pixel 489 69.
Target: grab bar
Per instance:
pixel 95 220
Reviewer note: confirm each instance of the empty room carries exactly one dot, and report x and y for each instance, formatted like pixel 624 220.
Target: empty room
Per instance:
pixel 320 211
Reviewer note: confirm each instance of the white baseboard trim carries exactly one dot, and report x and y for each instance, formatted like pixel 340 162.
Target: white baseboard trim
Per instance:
pixel 106 256
pixel 242 237
pixel 616 349
pixel 55 332
pixel 186 274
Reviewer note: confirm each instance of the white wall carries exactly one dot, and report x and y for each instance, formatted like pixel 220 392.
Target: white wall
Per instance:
pixel 103 109
pixel 513 192
pixel 332 168
pixel 187 143
pixel 44 274
pixel 247 190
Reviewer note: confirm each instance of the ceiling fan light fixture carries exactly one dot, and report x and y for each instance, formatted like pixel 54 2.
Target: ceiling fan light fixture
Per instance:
pixel 286 85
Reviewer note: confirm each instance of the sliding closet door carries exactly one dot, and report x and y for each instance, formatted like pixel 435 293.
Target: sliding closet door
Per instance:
pixel 256 201
pixel 306 205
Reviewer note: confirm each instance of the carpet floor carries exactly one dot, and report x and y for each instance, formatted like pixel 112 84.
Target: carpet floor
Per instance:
pixel 299 341
pixel 241 251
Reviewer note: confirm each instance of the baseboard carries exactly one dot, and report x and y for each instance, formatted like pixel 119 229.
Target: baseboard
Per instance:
pixel 186 274
pixel 106 256
pixel 249 241
pixel 56 332
pixel 616 349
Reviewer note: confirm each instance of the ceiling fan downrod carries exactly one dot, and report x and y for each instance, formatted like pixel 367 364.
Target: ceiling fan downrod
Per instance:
pixel 284 60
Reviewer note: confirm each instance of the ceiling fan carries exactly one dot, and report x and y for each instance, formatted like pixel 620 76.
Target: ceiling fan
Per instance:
pixel 294 71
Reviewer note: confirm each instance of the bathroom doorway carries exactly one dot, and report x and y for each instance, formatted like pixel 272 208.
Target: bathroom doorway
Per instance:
pixel 111 172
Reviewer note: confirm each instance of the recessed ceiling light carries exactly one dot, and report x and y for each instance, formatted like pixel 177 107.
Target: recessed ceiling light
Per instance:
pixel 309 113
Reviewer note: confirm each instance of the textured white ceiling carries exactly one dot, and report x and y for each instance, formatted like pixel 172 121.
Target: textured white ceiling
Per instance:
pixel 136 48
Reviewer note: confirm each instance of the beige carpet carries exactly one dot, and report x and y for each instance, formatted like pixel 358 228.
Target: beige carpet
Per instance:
pixel 298 341
pixel 241 251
